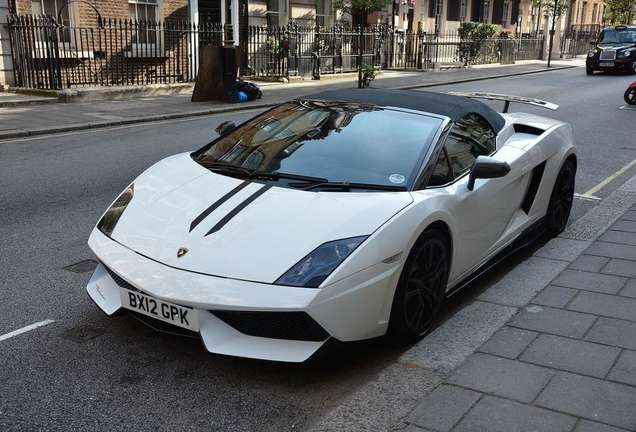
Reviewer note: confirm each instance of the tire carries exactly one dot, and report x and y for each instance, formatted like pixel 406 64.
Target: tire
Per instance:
pixel 630 96
pixel 561 199
pixel 421 289
pixel 589 70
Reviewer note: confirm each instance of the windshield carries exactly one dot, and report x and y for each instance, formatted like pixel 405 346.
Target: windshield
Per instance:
pixel 338 142
pixel 609 36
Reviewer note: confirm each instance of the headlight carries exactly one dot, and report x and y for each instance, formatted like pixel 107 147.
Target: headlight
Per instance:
pixel 107 223
pixel 314 268
pixel 626 53
pixel 591 53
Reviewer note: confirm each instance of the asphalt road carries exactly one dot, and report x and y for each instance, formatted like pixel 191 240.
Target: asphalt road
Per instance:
pixel 86 371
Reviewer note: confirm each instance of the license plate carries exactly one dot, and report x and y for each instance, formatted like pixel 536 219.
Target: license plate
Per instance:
pixel 162 310
pixel 606 64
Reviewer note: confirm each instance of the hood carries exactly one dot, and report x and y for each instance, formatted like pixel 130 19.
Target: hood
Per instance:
pixel 258 233
pixel 616 46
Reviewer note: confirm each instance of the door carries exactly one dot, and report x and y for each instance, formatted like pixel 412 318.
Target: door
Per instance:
pixel 483 215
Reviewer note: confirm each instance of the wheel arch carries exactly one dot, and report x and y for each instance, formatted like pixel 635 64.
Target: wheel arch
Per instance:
pixel 442 227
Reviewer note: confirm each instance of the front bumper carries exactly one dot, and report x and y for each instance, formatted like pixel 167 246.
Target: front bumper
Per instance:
pixel 618 64
pixel 353 308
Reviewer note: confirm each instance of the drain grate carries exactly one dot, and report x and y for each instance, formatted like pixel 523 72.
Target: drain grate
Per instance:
pixel 84 266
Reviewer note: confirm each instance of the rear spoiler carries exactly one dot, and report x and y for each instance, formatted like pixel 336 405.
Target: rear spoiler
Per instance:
pixel 507 99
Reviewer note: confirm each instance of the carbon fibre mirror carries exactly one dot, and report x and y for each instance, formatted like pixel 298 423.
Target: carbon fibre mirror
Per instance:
pixel 225 128
pixel 487 167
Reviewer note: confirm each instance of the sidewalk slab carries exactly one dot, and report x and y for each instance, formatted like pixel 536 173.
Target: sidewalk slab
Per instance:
pixel 613 332
pixel 444 407
pixel 494 414
pixel 625 369
pixel 508 342
pixel 571 355
pixel 553 321
pixel 592 399
pixel 554 296
pixel 502 377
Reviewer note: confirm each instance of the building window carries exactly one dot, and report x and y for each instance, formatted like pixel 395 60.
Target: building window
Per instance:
pixel 463 10
pixel 55 9
pixel 594 13
pixel 505 22
pixel 453 10
pixel 145 13
pixel 321 12
pixel 584 13
pixel 273 14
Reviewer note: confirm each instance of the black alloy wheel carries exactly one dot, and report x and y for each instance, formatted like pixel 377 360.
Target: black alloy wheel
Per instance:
pixel 421 289
pixel 561 199
pixel 630 96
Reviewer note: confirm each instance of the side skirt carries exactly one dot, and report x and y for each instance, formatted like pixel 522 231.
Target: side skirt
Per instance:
pixel 527 236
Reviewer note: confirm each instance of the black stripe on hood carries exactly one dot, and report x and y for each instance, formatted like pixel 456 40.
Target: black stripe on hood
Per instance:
pixel 216 204
pixel 236 210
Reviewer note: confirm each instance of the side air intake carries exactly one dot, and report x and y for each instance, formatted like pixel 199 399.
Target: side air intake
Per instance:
pixel 533 188
pixel 521 128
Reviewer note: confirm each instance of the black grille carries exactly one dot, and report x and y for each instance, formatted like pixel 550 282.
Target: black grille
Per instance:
pixel 275 325
pixel 118 280
pixel 164 327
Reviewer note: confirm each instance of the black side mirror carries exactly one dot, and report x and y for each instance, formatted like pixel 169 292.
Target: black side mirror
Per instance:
pixel 487 167
pixel 225 128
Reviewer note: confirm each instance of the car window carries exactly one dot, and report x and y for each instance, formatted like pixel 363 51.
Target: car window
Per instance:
pixel 339 141
pixel 615 36
pixel 442 173
pixel 470 137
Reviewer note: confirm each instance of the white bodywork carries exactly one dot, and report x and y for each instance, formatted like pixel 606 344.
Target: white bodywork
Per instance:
pixel 235 268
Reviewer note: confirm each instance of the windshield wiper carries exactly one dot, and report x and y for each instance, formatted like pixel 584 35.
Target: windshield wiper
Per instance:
pixel 227 168
pixel 303 178
pixel 248 173
pixel 347 186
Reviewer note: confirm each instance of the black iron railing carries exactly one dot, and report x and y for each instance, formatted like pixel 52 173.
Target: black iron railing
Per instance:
pixel 49 55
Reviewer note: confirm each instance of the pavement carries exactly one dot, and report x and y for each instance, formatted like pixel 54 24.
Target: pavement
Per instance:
pixel 24 115
pixel 544 342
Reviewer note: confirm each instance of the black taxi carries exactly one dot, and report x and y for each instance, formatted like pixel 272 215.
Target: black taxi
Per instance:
pixel 615 51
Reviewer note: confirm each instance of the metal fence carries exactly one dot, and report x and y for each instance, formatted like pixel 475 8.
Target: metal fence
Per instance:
pixel 577 40
pixel 310 51
pixel 48 55
pixel 422 51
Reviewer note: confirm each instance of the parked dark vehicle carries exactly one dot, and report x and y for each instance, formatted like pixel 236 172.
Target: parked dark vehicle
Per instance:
pixel 614 51
pixel 630 94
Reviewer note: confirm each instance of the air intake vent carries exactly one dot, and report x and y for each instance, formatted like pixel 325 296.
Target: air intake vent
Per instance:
pixel 521 128
pixel 535 182
pixel 118 280
pixel 275 325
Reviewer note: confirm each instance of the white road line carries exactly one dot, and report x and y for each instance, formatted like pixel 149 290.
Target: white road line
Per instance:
pixel 25 329
pixel 608 180
pixel 587 197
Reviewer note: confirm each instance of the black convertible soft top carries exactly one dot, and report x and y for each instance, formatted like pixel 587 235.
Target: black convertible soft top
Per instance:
pixel 451 106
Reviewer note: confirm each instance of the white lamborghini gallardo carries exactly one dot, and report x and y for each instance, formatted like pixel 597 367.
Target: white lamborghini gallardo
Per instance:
pixel 346 215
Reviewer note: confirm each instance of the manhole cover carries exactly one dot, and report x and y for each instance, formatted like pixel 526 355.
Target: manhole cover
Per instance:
pixel 85 266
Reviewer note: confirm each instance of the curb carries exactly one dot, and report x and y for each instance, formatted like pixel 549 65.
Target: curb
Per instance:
pixel 13 104
pixel 211 111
